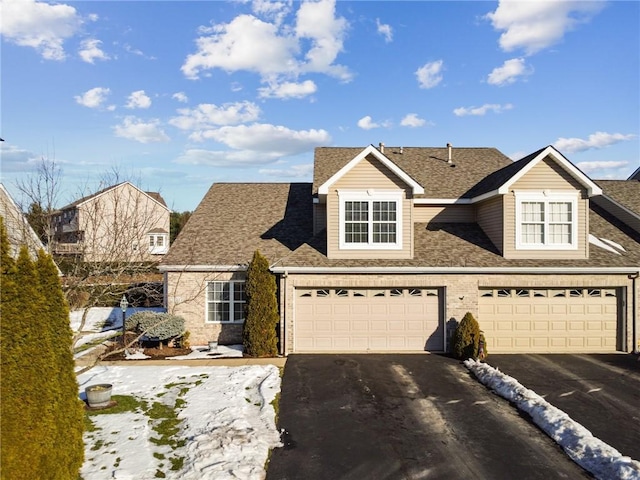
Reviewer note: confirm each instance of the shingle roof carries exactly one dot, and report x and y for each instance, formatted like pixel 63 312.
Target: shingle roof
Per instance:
pixel 625 192
pixel 235 219
pixel 466 245
pixel 469 166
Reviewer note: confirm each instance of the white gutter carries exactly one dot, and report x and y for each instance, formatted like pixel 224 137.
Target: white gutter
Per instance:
pixel 202 268
pixel 451 270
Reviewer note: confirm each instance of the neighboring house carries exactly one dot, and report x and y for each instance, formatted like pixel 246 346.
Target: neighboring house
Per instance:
pixel 389 247
pixel 635 175
pixel 119 223
pixel 19 232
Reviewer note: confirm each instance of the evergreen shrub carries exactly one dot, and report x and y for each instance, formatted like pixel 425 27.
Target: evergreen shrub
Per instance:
pixel 156 325
pixel 259 336
pixel 466 338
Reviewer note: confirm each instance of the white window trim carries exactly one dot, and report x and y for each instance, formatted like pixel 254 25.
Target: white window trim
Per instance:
pixel 547 197
pixel 370 196
pixel 232 304
pixel 155 249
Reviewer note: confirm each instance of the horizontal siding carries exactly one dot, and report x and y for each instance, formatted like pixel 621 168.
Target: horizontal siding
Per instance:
pixel 368 174
pixel 444 214
pixel 319 217
pixel 549 175
pixel 491 220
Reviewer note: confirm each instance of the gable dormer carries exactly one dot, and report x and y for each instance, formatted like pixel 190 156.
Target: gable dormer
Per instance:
pixel 368 203
pixel 546 208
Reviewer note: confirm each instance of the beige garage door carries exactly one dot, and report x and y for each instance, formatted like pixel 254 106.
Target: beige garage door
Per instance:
pixel 549 320
pixel 367 320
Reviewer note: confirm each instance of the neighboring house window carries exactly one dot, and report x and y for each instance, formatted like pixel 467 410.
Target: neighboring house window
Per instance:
pixel 225 302
pixel 158 243
pixel 546 220
pixel 370 219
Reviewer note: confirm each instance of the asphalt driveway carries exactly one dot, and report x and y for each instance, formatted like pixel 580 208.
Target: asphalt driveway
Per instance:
pixel 601 392
pixel 403 417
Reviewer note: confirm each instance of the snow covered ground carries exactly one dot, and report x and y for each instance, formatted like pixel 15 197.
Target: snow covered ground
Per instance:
pixel 228 422
pixel 592 454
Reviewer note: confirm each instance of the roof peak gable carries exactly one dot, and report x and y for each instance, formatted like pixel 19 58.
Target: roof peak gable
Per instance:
pixel 371 150
pixel 550 151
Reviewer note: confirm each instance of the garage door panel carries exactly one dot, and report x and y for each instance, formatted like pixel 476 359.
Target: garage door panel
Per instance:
pixel 398 319
pixel 560 320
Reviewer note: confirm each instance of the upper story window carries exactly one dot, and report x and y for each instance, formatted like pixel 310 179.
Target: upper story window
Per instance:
pixel 546 220
pixel 370 219
pixel 158 243
pixel 225 302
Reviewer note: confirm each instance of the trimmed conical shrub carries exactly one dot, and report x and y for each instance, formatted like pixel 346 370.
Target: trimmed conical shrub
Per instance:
pixel 466 338
pixel 259 335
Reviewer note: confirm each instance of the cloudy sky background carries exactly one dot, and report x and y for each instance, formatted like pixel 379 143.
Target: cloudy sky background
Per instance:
pixel 179 95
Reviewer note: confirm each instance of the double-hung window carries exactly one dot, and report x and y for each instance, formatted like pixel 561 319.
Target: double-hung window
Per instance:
pixel 370 219
pixel 225 302
pixel 546 220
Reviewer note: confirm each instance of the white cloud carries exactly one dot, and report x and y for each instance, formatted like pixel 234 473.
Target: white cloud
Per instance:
pixel 268 139
pixel 180 96
pixel 412 120
pixel 90 51
pixel 596 166
pixel 595 141
pixel 208 115
pixel 509 72
pixel 534 26
pixel 430 74
pixel 272 9
pixel 385 30
pixel 294 171
pixel 39 25
pixel 138 99
pixel 317 22
pixel 270 49
pixel 366 123
pixel 94 98
pixel 288 90
pixel 134 128
pixel 480 111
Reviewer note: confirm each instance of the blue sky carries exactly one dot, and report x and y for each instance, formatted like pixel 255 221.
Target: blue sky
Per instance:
pixel 179 95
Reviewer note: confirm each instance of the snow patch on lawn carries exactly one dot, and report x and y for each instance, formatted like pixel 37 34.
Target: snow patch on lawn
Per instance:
pixel 592 454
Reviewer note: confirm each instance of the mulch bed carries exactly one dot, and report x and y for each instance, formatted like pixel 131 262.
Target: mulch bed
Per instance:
pixel 154 353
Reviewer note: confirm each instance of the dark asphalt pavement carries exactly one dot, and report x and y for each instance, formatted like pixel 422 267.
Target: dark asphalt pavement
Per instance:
pixel 601 392
pixel 379 417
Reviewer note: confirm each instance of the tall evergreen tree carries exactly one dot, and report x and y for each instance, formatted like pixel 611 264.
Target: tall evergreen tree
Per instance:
pixel 259 335
pixel 68 411
pixel 31 382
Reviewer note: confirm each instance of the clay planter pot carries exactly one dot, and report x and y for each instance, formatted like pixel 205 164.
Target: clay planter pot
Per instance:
pixel 98 395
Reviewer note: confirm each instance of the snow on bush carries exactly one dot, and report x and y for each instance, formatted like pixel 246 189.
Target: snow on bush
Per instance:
pixel 161 326
pixel 591 453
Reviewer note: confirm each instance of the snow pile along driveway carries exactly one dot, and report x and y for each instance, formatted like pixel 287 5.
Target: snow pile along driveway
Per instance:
pixel 592 454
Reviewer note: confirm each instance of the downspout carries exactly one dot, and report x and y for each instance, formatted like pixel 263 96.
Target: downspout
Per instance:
pixel 634 310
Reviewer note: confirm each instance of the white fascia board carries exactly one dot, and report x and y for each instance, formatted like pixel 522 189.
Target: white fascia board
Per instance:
pixel 591 187
pixel 460 270
pixel 371 150
pixel 622 207
pixel 202 268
